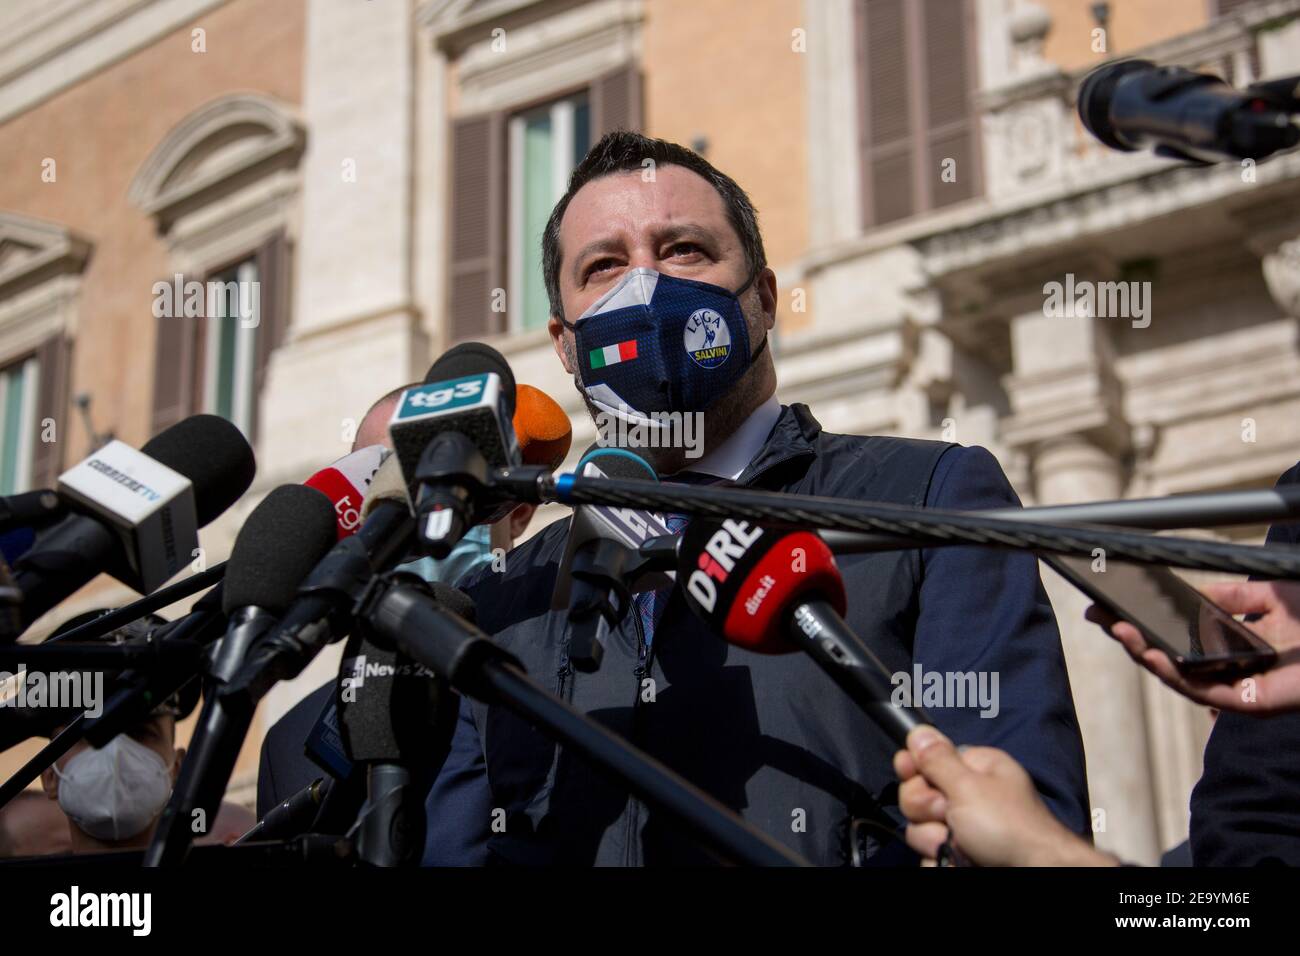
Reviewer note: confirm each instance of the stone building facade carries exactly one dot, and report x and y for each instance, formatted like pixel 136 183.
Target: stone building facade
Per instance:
pixel 382 168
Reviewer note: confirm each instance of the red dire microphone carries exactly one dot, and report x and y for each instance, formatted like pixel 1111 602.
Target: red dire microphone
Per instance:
pixel 775 592
pixel 346 482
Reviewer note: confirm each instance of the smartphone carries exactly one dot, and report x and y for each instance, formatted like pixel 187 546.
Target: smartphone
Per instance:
pixel 1202 639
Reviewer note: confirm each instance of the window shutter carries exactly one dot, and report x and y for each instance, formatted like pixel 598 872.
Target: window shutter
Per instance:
pixel 175 388
pixel 888 147
pixel 950 111
pixel 916 76
pixel 275 285
pixel 51 402
pixel 616 102
pixel 477 227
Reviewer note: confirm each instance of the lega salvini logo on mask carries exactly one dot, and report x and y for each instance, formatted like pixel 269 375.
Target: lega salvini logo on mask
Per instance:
pixel 707 338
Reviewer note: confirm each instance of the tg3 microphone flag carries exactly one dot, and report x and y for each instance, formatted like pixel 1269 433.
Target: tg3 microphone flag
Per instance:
pixel 447 434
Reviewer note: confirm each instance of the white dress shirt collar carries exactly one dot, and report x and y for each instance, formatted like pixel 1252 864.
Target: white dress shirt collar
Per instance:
pixel 742 446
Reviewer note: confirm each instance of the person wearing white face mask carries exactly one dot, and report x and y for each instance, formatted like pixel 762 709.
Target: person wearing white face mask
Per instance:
pixel 112 796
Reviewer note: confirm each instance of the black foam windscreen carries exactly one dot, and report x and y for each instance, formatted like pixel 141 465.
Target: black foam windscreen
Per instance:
pixel 454 600
pixel 213 454
pixel 1095 96
pixel 392 708
pixel 281 541
pixel 475 358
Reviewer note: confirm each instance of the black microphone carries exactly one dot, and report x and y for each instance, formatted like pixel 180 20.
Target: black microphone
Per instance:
pixel 774 592
pixel 602 562
pixel 322 610
pixel 278 545
pixel 30 508
pixel 1131 104
pixel 396 719
pixel 448 434
pixel 139 511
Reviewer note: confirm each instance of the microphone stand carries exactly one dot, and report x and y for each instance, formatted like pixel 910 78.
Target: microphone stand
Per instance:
pixel 928 527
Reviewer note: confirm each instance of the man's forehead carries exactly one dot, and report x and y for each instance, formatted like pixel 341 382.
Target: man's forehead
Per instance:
pixel 627 202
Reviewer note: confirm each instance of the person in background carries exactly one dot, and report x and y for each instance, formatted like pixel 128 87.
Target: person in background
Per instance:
pixel 111 796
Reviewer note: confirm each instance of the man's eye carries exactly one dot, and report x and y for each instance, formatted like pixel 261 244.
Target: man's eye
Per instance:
pixel 684 249
pixel 600 265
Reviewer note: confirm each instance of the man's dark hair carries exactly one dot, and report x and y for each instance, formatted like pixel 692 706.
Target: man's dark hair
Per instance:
pixel 622 151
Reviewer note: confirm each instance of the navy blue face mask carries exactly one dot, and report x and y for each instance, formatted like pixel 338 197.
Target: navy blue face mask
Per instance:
pixel 659 343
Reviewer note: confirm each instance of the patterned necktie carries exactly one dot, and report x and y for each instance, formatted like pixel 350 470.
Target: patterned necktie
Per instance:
pixel 650 604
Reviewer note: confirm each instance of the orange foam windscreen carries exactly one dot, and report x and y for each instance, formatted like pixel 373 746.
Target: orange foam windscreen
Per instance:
pixel 542 428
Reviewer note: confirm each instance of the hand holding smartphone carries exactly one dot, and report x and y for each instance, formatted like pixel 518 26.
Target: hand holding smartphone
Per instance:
pixel 1191 642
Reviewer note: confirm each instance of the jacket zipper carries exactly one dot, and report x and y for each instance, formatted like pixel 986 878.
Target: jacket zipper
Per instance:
pixel 631 854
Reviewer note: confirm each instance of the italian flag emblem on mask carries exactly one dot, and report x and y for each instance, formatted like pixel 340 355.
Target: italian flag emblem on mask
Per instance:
pixel 613 354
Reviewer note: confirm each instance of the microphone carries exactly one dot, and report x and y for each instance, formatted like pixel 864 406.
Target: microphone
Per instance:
pixel 345 483
pixel 1195 116
pixel 602 564
pixel 542 429
pixel 322 610
pixel 447 434
pixel 136 513
pixel 278 545
pixel 32 508
pixel 396 719
pixel 774 592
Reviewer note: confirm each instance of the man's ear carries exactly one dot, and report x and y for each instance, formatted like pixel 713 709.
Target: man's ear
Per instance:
pixel 176 763
pixel 557 330
pixel 766 286
pixel 519 519
pixel 50 783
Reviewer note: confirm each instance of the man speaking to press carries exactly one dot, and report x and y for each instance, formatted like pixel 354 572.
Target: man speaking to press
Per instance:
pixel 631 262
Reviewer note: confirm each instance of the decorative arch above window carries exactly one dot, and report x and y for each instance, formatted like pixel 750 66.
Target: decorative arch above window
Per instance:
pixel 214 150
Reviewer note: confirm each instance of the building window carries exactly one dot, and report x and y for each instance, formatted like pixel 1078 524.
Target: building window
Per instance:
pixel 219 363
pixel 18 391
pixel 545 144
pixel 230 350
pixel 507 170
pixel 916 84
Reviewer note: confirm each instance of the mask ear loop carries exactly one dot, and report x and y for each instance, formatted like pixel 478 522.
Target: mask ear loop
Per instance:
pixel 753 277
